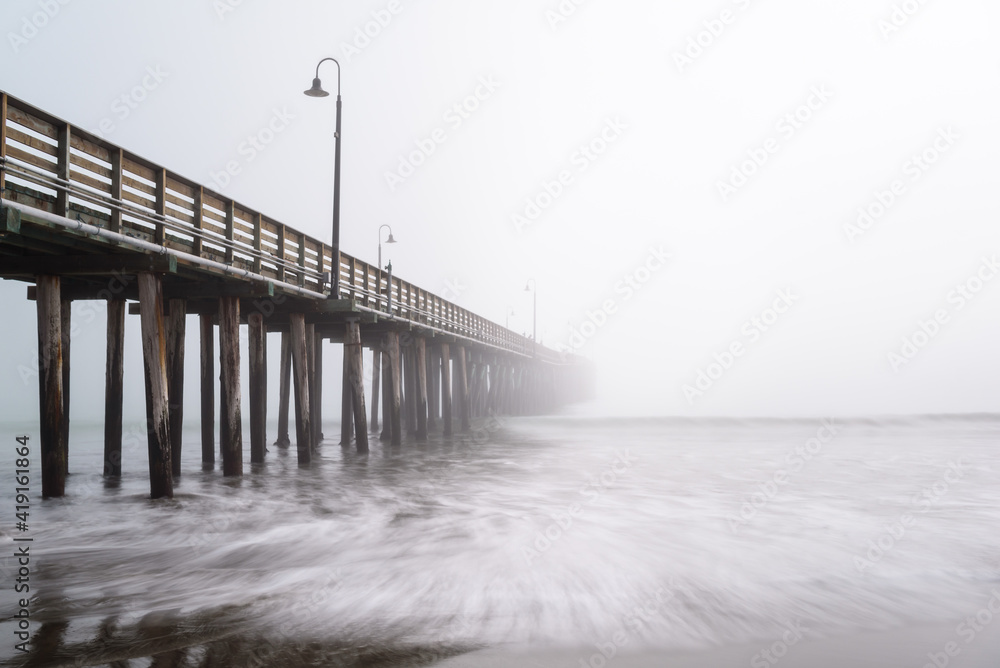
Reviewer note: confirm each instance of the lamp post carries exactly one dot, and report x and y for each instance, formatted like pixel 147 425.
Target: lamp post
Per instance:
pixel 390 240
pixel 532 287
pixel 317 91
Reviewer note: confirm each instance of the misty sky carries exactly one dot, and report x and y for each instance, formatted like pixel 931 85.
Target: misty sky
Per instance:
pixel 782 207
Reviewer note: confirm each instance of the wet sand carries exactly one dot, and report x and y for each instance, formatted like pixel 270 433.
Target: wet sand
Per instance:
pixel 913 647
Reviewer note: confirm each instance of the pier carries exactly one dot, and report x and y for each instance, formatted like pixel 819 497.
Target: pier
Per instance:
pixel 83 219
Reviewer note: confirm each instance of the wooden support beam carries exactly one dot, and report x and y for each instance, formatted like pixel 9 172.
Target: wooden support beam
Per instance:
pixel 433 388
pixel 420 362
pixel 258 388
pixel 316 389
pixel 66 327
pixel 230 418
pixel 355 372
pixel 101 264
pixel 410 390
pixel 446 389
pixel 462 389
pixel 50 389
pixel 114 392
pixel 303 429
pixel 395 391
pixel 207 389
pixel 386 392
pixel 176 330
pixel 376 372
pixel 161 482
pixel 3 140
pixel 346 402
pixel 284 389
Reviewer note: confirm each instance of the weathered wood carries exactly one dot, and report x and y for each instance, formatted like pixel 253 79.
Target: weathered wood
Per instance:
pixel 230 419
pixel 420 361
pixel 157 395
pixel 3 138
pixel 66 329
pixel 376 372
pixel 462 389
pixel 386 392
pixel 346 403
pixel 50 386
pixel 284 387
pixel 311 358
pixel 114 369
pixel 355 371
pixel 300 366
pixel 62 167
pixel 258 388
pixel 207 389
pixel 176 330
pixel 433 389
pixel 394 394
pixel 445 389
pixel 409 389
pixel 316 391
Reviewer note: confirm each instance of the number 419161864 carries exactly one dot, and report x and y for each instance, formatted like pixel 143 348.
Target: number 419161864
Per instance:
pixel 23 478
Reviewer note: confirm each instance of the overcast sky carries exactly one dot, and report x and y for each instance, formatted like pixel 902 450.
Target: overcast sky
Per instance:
pixel 682 180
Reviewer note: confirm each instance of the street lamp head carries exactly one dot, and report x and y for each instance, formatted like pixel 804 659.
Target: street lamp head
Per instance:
pixel 317 89
pixel 390 240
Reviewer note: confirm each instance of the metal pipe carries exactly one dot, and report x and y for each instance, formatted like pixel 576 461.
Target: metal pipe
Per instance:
pixel 93 230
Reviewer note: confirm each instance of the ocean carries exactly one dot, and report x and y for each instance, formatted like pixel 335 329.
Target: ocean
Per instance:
pixel 572 532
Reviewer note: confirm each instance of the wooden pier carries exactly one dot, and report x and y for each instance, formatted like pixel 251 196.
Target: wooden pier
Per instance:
pixel 83 219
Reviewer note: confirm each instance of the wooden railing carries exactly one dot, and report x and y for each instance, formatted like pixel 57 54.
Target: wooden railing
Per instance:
pixel 65 169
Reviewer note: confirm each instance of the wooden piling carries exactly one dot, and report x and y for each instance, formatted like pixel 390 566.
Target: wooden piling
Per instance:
pixel 66 329
pixel 207 389
pixel 420 361
pixel 386 392
pixel 258 388
pixel 356 379
pixel 231 420
pixel 462 389
pixel 176 326
pixel 394 394
pixel 346 404
pixel 300 373
pixel 376 372
pixel 157 399
pixel 433 389
pixel 114 393
pixel 50 385
pixel 446 389
pixel 316 390
pixel 410 390
pixel 284 390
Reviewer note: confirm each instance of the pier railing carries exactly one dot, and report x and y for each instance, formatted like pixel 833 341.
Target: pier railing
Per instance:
pixel 65 170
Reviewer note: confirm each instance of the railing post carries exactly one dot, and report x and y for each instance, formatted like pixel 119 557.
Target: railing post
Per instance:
pixel 281 252
pixel 161 206
pixel 256 243
pixel 62 165
pixel 230 229
pixel 3 141
pixel 302 259
pixel 115 154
